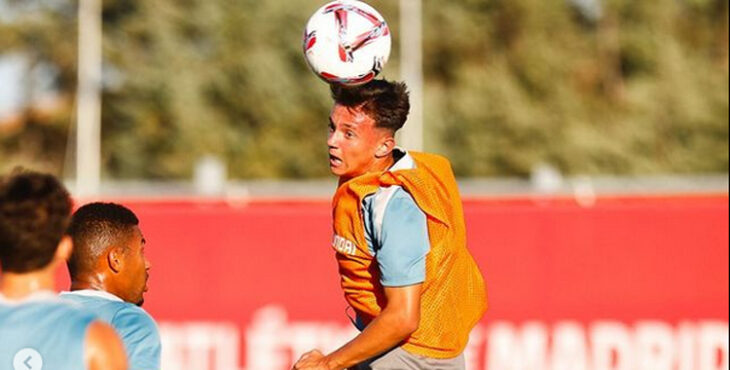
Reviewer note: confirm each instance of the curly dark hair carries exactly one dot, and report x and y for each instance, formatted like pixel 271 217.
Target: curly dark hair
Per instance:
pixel 94 228
pixel 34 213
pixel 384 101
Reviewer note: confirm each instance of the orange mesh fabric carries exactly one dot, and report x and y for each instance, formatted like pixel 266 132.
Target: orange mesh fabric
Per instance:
pixel 453 297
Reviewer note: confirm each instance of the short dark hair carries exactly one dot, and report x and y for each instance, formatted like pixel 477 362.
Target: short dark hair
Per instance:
pixel 384 101
pixel 95 227
pixel 34 213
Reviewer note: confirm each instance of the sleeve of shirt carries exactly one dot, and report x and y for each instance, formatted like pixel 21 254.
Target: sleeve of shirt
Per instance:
pixel 402 242
pixel 141 337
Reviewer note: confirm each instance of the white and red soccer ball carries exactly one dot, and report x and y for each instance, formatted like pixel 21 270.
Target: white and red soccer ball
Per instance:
pixel 346 42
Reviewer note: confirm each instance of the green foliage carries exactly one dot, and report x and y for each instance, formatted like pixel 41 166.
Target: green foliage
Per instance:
pixel 642 90
pixel 225 78
pixel 509 84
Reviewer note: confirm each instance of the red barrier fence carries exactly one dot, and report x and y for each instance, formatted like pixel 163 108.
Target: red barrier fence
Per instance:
pixel 628 283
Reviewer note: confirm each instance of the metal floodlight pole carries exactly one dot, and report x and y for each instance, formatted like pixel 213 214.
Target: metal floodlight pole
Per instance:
pixel 412 71
pixel 88 101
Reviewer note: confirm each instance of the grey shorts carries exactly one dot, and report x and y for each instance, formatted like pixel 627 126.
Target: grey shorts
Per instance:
pixel 399 359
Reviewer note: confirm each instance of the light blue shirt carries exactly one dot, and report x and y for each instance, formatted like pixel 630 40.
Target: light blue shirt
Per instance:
pixel 134 325
pixel 42 331
pixel 396 232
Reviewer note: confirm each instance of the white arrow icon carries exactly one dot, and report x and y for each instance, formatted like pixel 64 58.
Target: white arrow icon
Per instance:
pixel 27 359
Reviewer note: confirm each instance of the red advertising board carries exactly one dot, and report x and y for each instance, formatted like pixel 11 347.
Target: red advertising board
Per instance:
pixel 629 283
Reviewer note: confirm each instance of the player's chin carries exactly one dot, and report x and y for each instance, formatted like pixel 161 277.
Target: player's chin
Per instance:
pixel 140 297
pixel 337 170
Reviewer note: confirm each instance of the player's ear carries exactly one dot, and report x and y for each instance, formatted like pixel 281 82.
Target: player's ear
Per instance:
pixel 115 258
pixel 386 146
pixel 64 249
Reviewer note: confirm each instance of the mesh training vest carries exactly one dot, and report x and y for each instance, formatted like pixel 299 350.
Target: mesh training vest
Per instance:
pixel 453 296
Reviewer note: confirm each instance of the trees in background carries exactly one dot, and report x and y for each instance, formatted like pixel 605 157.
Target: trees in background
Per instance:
pixel 589 86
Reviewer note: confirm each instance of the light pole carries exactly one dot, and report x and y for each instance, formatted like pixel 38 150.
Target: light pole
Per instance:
pixel 88 101
pixel 412 71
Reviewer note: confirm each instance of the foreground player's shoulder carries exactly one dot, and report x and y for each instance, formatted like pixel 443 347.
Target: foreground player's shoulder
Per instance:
pixel 57 310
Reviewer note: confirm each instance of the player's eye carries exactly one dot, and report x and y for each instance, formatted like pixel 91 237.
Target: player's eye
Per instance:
pixel 349 134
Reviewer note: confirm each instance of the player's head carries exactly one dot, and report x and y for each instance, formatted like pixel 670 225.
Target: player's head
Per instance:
pixel 363 123
pixel 34 213
pixel 108 242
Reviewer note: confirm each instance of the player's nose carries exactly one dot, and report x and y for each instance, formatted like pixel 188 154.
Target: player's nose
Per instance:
pixel 332 140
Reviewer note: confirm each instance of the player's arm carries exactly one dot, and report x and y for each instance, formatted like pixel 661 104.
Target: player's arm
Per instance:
pixel 103 350
pixel 398 320
pixel 401 260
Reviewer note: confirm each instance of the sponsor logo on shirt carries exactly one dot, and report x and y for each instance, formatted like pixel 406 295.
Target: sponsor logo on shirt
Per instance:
pixel 343 245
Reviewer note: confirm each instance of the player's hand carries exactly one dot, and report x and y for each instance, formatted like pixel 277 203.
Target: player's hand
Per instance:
pixel 312 360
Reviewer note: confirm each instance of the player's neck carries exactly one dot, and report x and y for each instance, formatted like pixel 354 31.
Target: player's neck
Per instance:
pixel 98 281
pixel 379 165
pixel 19 286
pixel 383 164
pixel 90 282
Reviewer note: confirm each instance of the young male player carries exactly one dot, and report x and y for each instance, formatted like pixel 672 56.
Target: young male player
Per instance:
pixel 38 330
pixel 400 241
pixel 109 275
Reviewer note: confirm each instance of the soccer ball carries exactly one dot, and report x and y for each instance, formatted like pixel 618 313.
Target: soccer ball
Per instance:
pixel 346 42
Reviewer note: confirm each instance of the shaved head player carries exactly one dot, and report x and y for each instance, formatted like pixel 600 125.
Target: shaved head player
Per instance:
pixel 109 273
